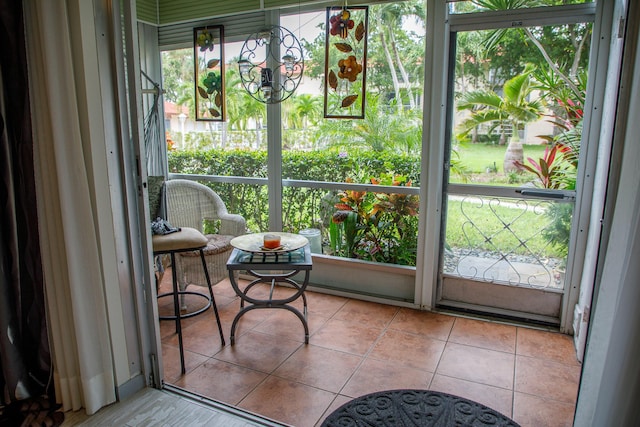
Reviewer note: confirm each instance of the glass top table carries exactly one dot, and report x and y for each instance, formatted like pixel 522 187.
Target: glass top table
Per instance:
pixel 271 269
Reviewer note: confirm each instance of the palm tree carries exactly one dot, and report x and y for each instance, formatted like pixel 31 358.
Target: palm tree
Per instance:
pixel 234 94
pixel 514 108
pixel 390 17
pixel 381 130
pixel 308 109
pixel 241 107
pixel 304 110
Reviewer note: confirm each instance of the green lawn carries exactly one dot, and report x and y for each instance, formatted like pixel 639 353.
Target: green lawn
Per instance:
pixel 482 226
pixel 507 226
pixel 477 158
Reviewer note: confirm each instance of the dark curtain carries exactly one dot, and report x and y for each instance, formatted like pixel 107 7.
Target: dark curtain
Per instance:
pixel 25 377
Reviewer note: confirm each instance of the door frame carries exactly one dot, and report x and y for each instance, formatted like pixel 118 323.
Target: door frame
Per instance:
pixel 436 114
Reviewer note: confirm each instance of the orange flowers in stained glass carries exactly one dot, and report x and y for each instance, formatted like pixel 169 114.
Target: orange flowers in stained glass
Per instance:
pixel 345 62
pixel 349 68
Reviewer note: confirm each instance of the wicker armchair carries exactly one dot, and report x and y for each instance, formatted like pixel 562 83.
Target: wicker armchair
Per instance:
pixel 189 204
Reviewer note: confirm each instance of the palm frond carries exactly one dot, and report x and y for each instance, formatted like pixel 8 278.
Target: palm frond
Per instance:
pixel 478 99
pixel 480 117
pixel 506 4
pixel 518 88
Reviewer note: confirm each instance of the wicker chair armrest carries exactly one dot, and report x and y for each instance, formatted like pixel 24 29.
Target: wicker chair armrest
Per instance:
pixel 232 224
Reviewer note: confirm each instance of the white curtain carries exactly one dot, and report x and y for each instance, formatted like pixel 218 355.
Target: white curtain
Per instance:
pixel 74 280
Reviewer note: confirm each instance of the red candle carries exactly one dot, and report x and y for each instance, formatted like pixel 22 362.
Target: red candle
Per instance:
pixel 271 241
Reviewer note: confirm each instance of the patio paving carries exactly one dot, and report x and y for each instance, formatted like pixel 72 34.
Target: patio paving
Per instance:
pixel 492 269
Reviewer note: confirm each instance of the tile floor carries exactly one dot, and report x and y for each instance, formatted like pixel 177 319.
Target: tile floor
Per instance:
pixel 359 347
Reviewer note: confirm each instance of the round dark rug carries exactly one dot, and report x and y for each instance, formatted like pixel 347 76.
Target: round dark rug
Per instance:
pixel 397 408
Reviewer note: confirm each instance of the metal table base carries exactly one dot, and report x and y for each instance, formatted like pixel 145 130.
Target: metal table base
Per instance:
pixel 271 269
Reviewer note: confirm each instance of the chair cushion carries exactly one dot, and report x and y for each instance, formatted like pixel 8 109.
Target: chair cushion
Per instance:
pixel 186 238
pixel 217 243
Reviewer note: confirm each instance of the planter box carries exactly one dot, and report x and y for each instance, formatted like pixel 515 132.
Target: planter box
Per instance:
pixel 389 281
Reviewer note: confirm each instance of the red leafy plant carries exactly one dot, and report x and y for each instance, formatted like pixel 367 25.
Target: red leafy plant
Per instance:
pixel 377 226
pixel 551 169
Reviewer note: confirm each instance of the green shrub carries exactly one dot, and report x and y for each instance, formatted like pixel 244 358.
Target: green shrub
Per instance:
pixel 388 238
pixel 306 207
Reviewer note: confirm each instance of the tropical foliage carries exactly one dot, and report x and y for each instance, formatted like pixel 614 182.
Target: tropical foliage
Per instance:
pixel 386 223
pixel 551 171
pixel 376 226
pixel 515 108
pixel 495 89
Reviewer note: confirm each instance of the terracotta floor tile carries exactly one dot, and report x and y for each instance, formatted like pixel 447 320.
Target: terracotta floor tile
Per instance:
pixel 377 375
pixel 288 401
pixel 533 411
pixel 192 305
pixel 346 336
pixel 221 381
pixel 337 402
pixel 257 291
pixel 171 362
pixel 222 300
pixel 546 345
pixel 319 367
pixel 220 297
pixel 477 333
pixel 200 337
pixel 433 325
pixel 248 321
pixel 284 293
pixel 286 324
pixel 496 398
pixel 415 351
pixel 547 379
pixel 258 351
pixel 366 313
pixel 167 329
pixel 358 348
pixel 478 365
pixel 224 288
pixel 325 305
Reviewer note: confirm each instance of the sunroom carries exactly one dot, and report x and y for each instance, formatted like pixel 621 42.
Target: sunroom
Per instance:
pixel 442 224
pixel 443 217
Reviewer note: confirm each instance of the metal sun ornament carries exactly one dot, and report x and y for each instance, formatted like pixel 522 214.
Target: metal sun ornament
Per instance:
pixel 271 64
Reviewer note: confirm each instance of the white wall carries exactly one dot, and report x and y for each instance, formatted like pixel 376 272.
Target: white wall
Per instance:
pixel 610 387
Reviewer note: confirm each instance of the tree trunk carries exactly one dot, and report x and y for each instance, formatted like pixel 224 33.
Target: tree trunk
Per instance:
pixel 551 63
pixel 513 156
pixel 403 71
pixel 392 68
pixel 223 139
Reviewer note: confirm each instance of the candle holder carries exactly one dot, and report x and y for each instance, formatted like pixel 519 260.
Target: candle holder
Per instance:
pixel 271 241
